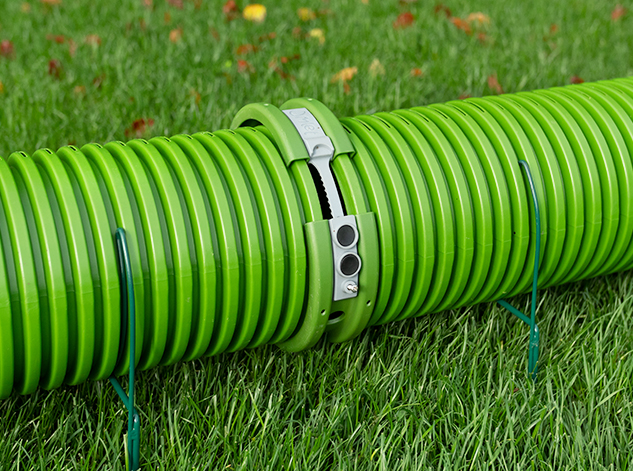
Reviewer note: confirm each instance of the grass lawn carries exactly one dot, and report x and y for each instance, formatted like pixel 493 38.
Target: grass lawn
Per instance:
pixel 443 391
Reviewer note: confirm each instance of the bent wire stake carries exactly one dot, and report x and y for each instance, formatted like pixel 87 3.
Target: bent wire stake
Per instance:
pixel 128 316
pixel 533 348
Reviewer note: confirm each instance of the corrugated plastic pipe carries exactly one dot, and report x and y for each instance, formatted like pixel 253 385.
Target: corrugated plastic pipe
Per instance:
pixel 229 239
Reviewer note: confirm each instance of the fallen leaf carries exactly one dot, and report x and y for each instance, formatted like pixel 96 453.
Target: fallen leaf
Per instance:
pixel 404 20
pixel 246 49
pixel 197 4
pixel 482 37
pixel 416 72
pixel 344 75
pixel 376 68
pixel 51 2
pixel 79 90
pixel 58 38
pixel 26 7
pixel 285 60
pixel 478 18
pixel 139 127
pixel 461 24
pixel 167 18
pixel 463 96
pixel 553 28
pixel 576 80
pixel 441 8
pixel 244 67
pixel 230 10
pixel 72 48
pixel 54 68
pixel 93 40
pixel 255 12
pixel 493 83
pixel 618 12
pixel 98 80
pixel 196 96
pixel 317 33
pixel 6 48
pixel 148 3
pixel 306 14
pixel 267 37
pixel 176 3
pixel 346 88
pixel 175 35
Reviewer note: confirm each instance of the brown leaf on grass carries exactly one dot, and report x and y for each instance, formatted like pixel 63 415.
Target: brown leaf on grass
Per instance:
pixel 167 18
pixel 176 3
pixel 197 4
pixel 195 95
pixel 6 48
pixel 267 37
pixel 306 14
pixel 98 80
pixel 51 2
pixel 416 72
pixel 618 12
pixel 461 24
pixel 72 48
pixel 463 96
pixel 25 7
pixel 478 19
pixel 404 20
pixel 246 49
pixel 576 80
pixel 139 127
pixel 175 35
pixel 494 85
pixel 54 68
pixel 93 40
pixel 244 67
pixel 58 38
pixel 148 3
pixel 79 90
pixel 344 75
pixel 254 12
pixel 440 8
pixel 553 28
pixel 230 10
pixel 376 68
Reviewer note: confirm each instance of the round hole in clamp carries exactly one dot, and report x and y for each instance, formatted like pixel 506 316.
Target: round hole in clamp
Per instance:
pixel 346 236
pixel 349 264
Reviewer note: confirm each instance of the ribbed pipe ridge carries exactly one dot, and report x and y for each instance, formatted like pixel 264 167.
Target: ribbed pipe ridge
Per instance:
pixel 219 248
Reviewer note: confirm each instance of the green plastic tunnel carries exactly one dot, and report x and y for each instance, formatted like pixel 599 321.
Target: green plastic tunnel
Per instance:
pixel 230 232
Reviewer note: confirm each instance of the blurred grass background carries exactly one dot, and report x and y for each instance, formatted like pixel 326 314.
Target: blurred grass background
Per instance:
pixel 444 391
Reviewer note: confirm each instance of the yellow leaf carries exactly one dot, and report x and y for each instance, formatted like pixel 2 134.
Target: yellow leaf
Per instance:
pixel 317 33
pixel 344 75
pixel 255 13
pixel 479 18
pixel 376 68
pixel 306 14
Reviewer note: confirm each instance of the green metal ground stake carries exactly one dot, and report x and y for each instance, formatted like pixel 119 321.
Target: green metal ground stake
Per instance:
pixel 531 321
pixel 128 312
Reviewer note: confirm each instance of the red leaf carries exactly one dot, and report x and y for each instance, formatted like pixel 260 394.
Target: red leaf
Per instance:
pixel 441 8
pixel 404 20
pixel 244 67
pixel 576 80
pixel 58 38
pixel 176 3
pixel 553 28
pixel 416 72
pixel 139 127
pixel 461 24
pixel 246 49
pixel 6 48
pixel 54 68
pixel 230 10
pixel 493 83
pixel 618 12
